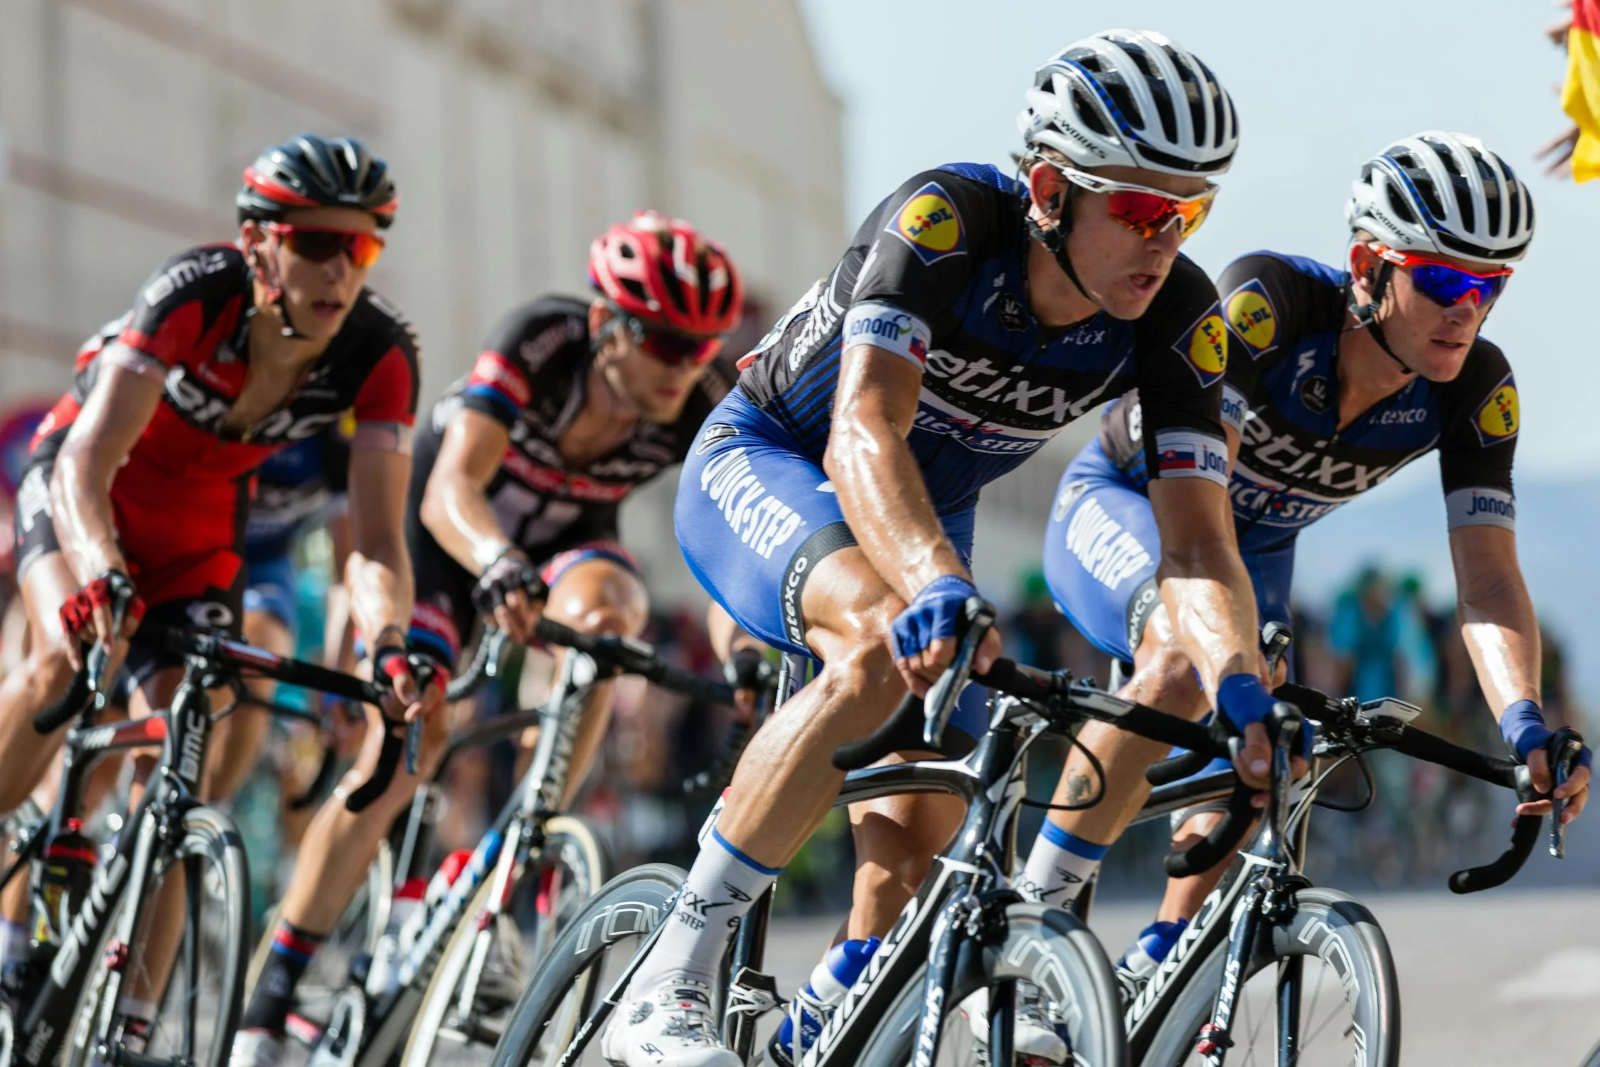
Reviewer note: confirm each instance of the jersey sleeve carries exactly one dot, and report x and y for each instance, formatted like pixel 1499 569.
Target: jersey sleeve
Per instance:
pixel 1482 415
pixel 501 382
pixel 1261 296
pixel 1180 352
pixel 169 313
pixel 385 407
pixel 920 250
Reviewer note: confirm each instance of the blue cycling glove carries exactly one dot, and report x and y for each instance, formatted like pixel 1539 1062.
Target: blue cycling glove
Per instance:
pixel 1522 725
pixel 1243 700
pixel 934 614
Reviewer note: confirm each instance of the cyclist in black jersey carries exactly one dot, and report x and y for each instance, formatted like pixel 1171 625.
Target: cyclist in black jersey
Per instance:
pixel 1338 379
pixel 512 509
pixel 828 502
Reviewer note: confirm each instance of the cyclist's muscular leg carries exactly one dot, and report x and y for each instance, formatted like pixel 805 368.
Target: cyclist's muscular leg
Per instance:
pixel 236 741
pixel 340 844
pixel 1071 843
pixel 43 677
pixel 596 596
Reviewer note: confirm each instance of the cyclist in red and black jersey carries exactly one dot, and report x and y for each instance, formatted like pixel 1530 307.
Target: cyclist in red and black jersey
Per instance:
pixel 512 512
pixel 141 475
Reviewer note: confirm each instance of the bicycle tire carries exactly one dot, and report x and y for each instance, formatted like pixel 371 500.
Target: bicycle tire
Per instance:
pixel 569 840
pixel 1044 945
pixel 357 930
pixel 631 904
pixel 1348 931
pixel 208 836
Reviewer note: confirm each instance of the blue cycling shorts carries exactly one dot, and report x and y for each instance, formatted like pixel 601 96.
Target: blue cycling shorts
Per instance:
pixel 269 588
pixel 754 517
pixel 1101 549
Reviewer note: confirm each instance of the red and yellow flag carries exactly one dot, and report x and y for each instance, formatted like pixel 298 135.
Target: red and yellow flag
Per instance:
pixel 1580 97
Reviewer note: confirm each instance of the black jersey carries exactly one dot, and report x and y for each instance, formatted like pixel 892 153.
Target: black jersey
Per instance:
pixel 938 275
pixel 1281 393
pixel 533 376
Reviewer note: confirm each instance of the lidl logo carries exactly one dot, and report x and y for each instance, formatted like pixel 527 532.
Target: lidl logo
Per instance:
pixel 928 222
pixel 1251 316
pixel 1500 415
pixel 1206 346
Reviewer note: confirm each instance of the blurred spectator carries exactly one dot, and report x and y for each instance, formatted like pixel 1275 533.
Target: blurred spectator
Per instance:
pixel 1365 637
pixel 1576 152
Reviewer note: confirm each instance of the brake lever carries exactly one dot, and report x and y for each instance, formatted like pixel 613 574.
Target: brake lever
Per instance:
pixel 940 703
pixel 1565 747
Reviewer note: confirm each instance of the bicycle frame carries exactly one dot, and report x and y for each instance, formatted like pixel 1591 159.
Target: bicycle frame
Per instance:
pixel 184 733
pixel 520 825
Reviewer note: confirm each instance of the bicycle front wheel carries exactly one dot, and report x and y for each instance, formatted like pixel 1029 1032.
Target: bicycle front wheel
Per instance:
pixel 581 967
pixel 492 954
pixel 202 882
pixel 1048 949
pixel 1345 992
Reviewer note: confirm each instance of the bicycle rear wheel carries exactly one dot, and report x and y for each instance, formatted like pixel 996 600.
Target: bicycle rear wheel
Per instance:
pixel 199 1009
pixel 490 958
pixel 1046 947
pixel 1349 1010
pixel 581 967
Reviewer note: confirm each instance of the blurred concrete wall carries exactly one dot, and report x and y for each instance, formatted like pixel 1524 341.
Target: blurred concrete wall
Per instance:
pixel 518 129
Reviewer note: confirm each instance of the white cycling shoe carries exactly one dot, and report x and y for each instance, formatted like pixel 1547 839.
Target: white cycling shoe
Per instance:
pixel 1032 1035
pixel 670 1025
pixel 256 1048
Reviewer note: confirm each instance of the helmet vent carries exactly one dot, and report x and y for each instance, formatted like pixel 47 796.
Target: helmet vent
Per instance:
pixel 1089 112
pixel 1399 206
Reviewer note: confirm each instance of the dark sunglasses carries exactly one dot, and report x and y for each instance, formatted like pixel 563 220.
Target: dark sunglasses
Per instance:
pixel 319 244
pixel 673 349
pixel 1447 284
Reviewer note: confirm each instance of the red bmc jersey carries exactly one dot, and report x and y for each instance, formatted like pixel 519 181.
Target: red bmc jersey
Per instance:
pixel 182 494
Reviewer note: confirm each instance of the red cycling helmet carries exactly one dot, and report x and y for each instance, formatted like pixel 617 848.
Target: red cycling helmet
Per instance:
pixel 664 273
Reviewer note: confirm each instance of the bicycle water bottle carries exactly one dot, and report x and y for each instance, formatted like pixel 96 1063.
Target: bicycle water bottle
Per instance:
pixel 66 871
pixel 815 1004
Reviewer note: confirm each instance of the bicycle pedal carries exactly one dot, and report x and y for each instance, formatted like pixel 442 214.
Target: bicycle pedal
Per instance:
pixel 753 993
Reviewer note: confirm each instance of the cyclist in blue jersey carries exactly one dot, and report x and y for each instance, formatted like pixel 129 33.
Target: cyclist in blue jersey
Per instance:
pixel 828 502
pixel 1338 379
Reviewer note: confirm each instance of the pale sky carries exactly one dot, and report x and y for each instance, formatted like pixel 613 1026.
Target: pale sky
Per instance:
pixel 1319 87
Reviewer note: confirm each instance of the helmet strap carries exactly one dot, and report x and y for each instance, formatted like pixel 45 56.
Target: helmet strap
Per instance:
pixel 1054 241
pixel 1366 315
pixel 275 293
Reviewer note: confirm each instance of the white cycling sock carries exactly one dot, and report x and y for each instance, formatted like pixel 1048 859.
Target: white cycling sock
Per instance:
pixel 722 886
pixel 1058 866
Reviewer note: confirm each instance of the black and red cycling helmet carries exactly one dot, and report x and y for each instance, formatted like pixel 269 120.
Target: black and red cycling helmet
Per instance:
pixel 309 171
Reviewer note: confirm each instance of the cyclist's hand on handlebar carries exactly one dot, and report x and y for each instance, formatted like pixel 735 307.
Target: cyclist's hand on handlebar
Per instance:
pixel 1242 699
pixel 1522 725
pixel 924 635
pixel 750 673
pixel 407 700
pixel 1575 790
pixel 512 593
pixel 87 614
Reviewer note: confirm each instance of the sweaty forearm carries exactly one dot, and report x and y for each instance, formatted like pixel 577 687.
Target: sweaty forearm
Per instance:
pixel 80 502
pixel 882 495
pixel 459 517
pixel 1213 609
pixel 380 588
pixel 1501 632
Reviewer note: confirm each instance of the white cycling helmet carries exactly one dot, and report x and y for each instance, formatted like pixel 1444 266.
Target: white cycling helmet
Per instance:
pixel 1443 193
pixel 1131 98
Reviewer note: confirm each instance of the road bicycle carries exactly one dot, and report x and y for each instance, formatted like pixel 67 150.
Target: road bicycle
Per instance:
pixel 92 904
pixel 493 916
pixel 964 929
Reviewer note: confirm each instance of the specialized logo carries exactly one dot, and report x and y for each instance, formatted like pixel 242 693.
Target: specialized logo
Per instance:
pixel 1205 346
pixel 1316 394
pixel 1108 552
pixel 1066 498
pixel 1188 454
pixel 1011 314
pixel 761 520
pixel 1499 417
pixel 929 223
pixel 719 431
pixel 887 327
pixel 1251 316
